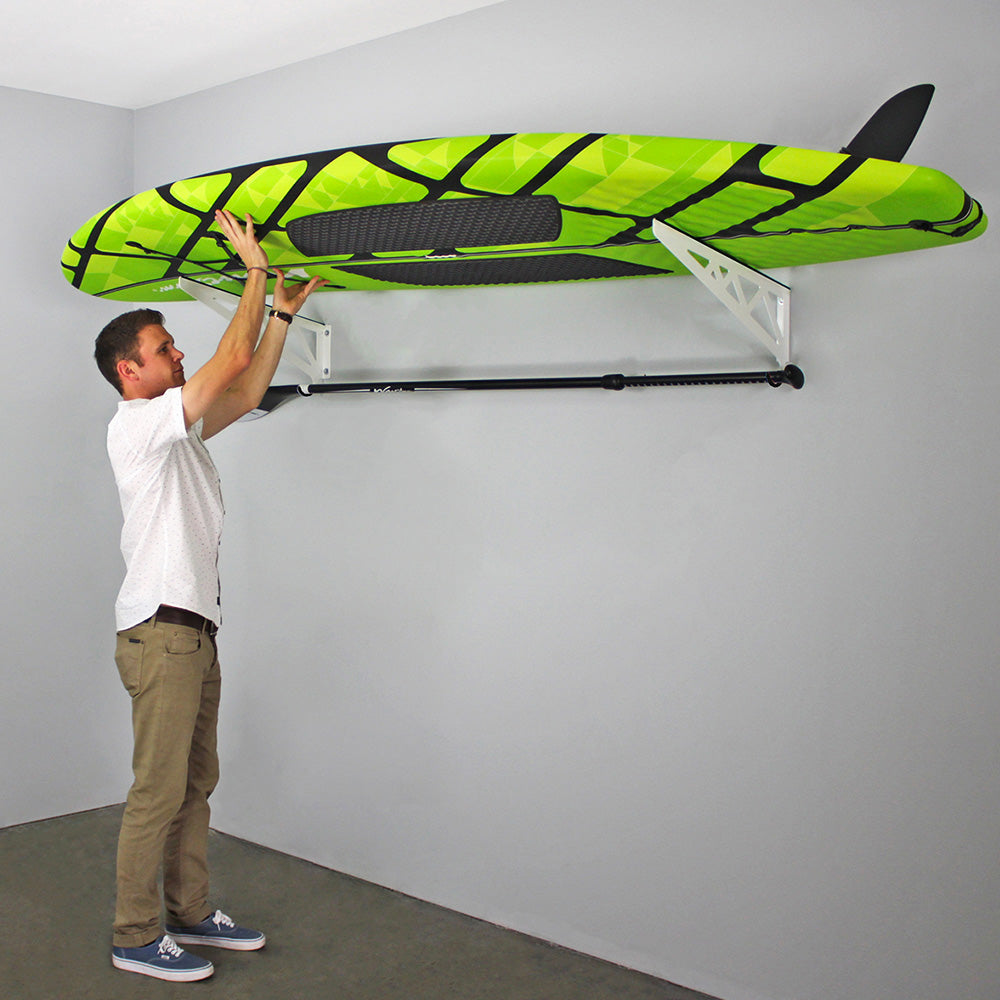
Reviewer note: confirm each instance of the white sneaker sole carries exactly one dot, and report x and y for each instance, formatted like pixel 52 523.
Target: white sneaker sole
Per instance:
pixel 232 944
pixel 179 976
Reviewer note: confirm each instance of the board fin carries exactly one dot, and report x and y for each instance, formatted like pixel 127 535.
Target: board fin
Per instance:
pixel 888 133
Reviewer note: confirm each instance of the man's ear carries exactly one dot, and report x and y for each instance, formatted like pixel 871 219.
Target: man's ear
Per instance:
pixel 127 370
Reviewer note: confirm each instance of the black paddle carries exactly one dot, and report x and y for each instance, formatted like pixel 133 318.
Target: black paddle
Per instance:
pixel 790 375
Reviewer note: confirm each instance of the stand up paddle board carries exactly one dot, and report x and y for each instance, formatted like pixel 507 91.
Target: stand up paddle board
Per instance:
pixel 529 207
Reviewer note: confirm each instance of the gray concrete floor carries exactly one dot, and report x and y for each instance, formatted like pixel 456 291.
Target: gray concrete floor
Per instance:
pixel 330 936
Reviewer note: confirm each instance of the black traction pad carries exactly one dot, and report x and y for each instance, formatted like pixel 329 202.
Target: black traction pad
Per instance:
pixel 427 225
pixel 502 270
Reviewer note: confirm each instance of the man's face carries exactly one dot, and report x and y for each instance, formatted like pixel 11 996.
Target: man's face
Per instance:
pixel 161 367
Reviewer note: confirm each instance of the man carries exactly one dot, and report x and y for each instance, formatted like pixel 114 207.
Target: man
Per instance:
pixel 168 610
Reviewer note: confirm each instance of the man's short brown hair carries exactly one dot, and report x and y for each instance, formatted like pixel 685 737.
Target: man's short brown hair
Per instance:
pixel 119 340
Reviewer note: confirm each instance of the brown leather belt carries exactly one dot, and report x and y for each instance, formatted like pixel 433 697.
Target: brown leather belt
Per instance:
pixel 181 616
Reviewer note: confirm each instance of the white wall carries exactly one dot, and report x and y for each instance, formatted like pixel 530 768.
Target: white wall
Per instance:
pixel 704 681
pixel 700 681
pixel 64 730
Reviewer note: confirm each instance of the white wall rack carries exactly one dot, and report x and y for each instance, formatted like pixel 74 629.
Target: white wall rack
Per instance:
pixel 760 303
pixel 309 345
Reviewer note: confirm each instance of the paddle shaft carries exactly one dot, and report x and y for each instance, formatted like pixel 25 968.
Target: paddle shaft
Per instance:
pixel 790 375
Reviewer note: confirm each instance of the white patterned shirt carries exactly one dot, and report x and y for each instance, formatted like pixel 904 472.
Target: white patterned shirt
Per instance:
pixel 172 505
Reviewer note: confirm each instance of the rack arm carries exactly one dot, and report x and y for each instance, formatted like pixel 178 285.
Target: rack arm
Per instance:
pixel 760 303
pixel 310 349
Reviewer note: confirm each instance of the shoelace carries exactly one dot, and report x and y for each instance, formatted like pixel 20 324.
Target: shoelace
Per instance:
pixel 221 920
pixel 168 946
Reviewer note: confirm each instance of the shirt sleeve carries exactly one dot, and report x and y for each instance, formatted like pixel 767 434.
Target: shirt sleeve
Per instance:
pixel 153 425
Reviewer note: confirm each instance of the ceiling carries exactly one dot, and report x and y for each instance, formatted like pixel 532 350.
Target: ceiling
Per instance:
pixel 133 53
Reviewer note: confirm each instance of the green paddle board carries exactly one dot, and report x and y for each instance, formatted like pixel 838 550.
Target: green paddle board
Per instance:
pixel 510 209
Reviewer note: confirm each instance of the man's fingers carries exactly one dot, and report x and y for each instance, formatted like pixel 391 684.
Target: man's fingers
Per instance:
pixel 306 288
pixel 229 226
pixel 302 291
pixel 243 241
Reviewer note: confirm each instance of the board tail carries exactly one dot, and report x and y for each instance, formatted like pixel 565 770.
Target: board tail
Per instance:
pixel 888 133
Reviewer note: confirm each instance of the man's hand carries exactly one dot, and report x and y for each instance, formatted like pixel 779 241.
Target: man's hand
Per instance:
pixel 243 241
pixel 248 389
pixel 215 379
pixel 290 299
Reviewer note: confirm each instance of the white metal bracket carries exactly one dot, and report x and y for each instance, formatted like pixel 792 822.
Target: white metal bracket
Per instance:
pixel 759 302
pixel 310 347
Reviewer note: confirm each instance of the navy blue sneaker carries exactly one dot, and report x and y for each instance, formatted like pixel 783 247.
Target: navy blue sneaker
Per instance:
pixel 162 960
pixel 219 931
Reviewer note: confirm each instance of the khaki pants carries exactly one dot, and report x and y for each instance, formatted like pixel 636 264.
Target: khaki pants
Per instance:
pixel 172 674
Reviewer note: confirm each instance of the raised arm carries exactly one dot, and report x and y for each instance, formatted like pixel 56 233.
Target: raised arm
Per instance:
pixel 247 389
pixel 235 352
